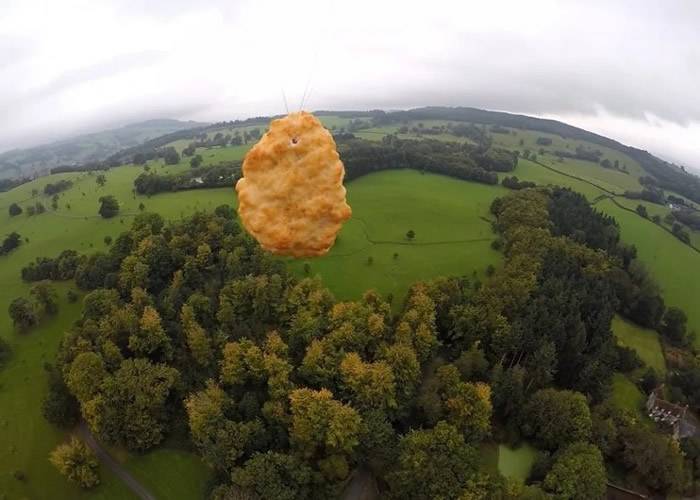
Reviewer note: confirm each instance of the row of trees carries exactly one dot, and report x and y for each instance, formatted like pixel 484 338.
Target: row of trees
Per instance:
pixel 463 161
pixel 219 175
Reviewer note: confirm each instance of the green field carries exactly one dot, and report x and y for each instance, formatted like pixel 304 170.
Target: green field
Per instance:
pixel 447 215
pixel 644 341
pixel 451 238
pixel 674 265
pixel 516 462
pixel 626 395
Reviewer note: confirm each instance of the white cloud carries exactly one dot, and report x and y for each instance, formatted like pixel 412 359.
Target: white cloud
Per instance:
pixel 72 65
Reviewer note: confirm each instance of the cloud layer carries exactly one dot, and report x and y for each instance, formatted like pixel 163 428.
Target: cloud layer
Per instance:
pixel 628 69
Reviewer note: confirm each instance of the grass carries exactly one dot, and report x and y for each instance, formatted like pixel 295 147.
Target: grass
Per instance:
pixel 644 341
pixel 626 395
pixel 171 473
pixel 516 462
pixel 674 265
pixel 447 215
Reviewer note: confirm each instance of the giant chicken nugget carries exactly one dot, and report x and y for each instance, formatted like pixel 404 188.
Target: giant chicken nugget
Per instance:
pixel 291 196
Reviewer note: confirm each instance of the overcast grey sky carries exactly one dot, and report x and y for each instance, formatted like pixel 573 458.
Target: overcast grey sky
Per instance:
pixel 626 69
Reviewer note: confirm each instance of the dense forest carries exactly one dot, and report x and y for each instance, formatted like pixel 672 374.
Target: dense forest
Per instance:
pixel 284 391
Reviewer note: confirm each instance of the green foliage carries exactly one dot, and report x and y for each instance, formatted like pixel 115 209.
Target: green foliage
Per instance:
pixel 59 406
pixel 578 473
pixel 23 314
pixel 557 418
pixel 11 241
pixel 77 462
pixel 432 463
pixel 15 209
pixel 109 206
pixel 45 297
pixel 130 408
pixel 324 429
pixel 273 475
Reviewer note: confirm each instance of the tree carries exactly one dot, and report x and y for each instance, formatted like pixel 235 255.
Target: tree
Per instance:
pixel 85 376
pixel 432 463
pixel 15 209
pixel 197 339
pixel 108 240
pixel 101 180
pixel 23 314
pixel 370 385
pixel 77 462
pixel 142 207
pixel 654 457
pixel 370 260
pixel 642 211
pixel 196 161
pixel 59 407
pixel 578 473
pixel 221 441
pixel 410 234
pixel 171 157
pixel 673 325
pixel 150 340
pixel 276 476
pixel 45 297
pixel 11 241
pixel 109 206
pixel 131 406
pixel 557 418
pixel 324 429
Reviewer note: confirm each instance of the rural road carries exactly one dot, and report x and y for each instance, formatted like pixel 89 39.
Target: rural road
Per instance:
pixel 108 461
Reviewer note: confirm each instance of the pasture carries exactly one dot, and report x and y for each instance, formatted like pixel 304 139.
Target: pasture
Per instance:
pixel 644 341
pixel 450 221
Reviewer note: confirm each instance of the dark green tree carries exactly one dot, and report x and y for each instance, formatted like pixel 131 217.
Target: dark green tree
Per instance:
pixel 109 206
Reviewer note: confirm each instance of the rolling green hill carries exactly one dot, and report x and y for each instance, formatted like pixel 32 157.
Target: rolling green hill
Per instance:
pixel 451 222
pixel 84 148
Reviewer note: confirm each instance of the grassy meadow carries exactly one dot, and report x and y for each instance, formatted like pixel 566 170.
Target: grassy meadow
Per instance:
pixel 644 341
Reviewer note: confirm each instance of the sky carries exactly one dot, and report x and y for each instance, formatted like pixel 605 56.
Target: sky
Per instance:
pixel 627 69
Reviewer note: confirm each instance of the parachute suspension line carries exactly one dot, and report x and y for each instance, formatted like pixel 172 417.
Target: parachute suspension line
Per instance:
pixel 322 35
pixel 284 98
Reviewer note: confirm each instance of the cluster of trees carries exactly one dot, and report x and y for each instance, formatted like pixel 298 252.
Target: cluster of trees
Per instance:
pixel 544 141
pixel 463 161
pixel 26 313
pixel 581 153
pixel 37 208
pixel 77 462
pixel 57 269
pixel 219 175
pixel 11 241
pixel 690 218
pixel 58 186
pixel 516 184
pixel 7 184
pixel 651 194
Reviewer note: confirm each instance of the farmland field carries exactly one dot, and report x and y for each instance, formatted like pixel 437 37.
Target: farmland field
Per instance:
pixel 447 215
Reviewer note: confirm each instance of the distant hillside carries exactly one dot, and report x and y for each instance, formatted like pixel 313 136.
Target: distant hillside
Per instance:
pixel 84 148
